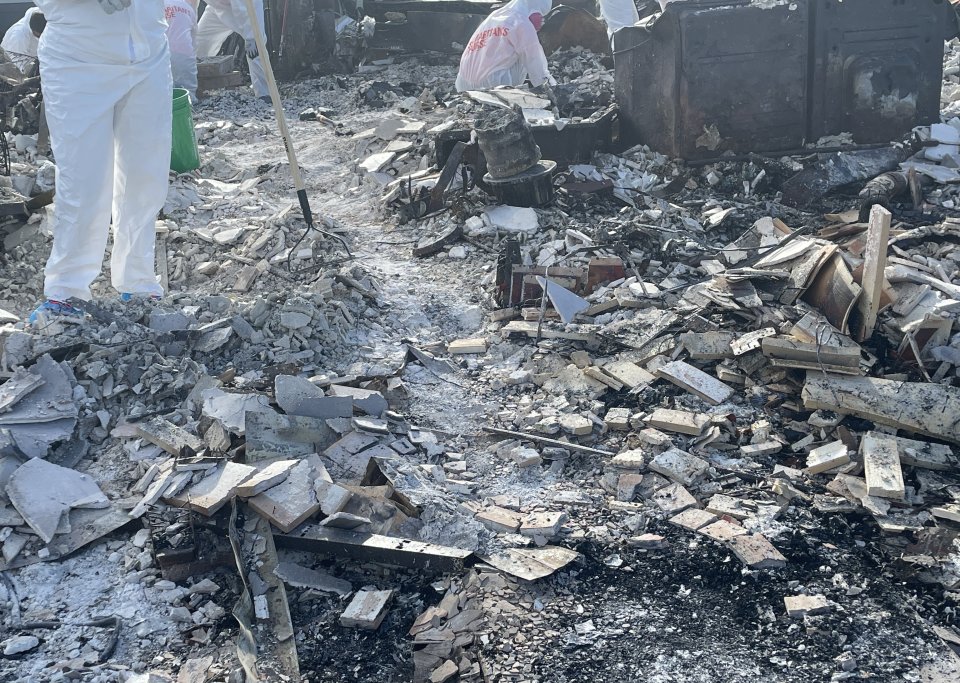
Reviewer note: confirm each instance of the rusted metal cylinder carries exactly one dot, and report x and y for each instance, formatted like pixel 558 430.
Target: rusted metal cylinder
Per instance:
pixel 507 143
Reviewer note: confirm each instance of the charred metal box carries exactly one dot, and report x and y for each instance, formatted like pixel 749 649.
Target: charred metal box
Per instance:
pixel 710 76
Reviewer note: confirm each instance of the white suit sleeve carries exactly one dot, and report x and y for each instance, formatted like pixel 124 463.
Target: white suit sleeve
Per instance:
pixel 527 45
pixel 243 18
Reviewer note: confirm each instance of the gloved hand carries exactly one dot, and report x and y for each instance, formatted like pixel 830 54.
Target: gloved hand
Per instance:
pixel 111 6
pixel 252 51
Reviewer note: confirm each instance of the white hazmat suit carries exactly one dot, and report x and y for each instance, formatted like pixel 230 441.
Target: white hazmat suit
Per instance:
pixel 107 92
pixel 182 35
pixel 19 42
pixel 505 49
pixel 220 20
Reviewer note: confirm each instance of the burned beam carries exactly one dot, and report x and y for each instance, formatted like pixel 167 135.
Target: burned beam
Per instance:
pixel 376 548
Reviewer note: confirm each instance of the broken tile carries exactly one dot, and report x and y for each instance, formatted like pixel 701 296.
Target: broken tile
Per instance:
pixel 367 609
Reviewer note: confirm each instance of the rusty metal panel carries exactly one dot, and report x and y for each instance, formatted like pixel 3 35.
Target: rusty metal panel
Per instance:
pixel 773 77
pixel 878 66
pixel 732 65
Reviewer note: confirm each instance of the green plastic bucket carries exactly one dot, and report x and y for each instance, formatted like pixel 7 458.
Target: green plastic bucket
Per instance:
pixel 184 155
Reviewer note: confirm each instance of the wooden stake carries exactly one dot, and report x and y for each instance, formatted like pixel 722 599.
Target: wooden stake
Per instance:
pixel 875 260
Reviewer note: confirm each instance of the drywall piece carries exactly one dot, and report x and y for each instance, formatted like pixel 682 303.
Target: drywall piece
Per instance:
pixel 827 457
pixel 265 477
pixel 696 381
pixel 272 435
pixel 169 436
pixel 532 563
pixel 231 409
pixel 52 400
pixel 679 466
pixel 565 302
pixel 18 386
pixel 679 421
pixel 290 503
pixel 881 466
pixel 43 493
pixel 213 491
pixel 367 610
pixel 370 402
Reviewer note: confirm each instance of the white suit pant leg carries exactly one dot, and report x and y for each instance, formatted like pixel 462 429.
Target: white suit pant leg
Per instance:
pixel 258 77
pixel 212 32
pixel 140 183
pixel 82 141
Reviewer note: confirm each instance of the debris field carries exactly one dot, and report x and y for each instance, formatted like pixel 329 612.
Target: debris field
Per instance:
pixel 686 422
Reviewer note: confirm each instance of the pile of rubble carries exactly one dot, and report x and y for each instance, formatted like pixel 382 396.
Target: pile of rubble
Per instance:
pixel 448 439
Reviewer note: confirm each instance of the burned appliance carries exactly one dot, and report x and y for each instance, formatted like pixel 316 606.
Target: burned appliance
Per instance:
pixel 711 76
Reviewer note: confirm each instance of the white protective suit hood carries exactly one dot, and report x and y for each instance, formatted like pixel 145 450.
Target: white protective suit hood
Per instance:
pixel 505 49
pixel 19 42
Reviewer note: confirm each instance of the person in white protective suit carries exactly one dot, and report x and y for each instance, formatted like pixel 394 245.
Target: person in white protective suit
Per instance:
pixel 505 49
pixel 220 20
pixel 21 40
pixel 618 14
pixel 105 67
pixel 181 18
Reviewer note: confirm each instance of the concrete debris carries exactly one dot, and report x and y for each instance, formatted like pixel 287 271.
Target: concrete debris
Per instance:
pixel 367 610
pixel 44 493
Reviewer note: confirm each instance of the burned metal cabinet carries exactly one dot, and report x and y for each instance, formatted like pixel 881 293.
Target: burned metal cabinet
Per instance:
pixel 877 66
pixel 732 65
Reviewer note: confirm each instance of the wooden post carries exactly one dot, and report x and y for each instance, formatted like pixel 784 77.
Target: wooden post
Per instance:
pixel 875 260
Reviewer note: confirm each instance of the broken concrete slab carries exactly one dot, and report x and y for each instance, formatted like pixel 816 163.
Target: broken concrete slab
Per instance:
pixel 722 531
pixel 680 466
pixel 290 503
pixel 264 477
pixel 727 506
pixel 271 435
pixel 231 409
pixel 18 386
pixel 213 491
pixel 499 519
pixel 680 421
pixel 531 564
pixel 629 460
pixel 881 466
pixel 367 609
pixel 925 455
pixel 827 457
pixel 693 519
pixel 696 381
pixel 544 524
pixel 799 606
pixel 43 493
pixel 369 402
pixel 332 497
pixel 168 436
pixel 629 374
pixel 49 401
pixel 348 458
pixel 755 551
pixel 673 499
pixel 299 396
pixel 299 576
